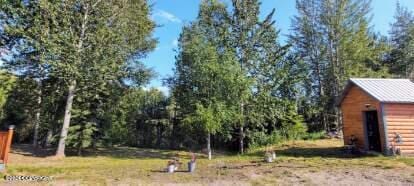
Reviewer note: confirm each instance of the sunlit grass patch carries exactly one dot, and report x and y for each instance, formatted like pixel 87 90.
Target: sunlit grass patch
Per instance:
pixel 145 166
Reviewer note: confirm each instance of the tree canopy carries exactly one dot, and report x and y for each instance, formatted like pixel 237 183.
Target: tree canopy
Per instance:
pixel 72 74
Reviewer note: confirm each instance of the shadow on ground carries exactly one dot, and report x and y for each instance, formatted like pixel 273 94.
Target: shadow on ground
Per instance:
pixel 129 152
pixel 311 152
pixel 332 152
pixel 113 152
pixel 143 153
pixel 326 152
pixel 28 150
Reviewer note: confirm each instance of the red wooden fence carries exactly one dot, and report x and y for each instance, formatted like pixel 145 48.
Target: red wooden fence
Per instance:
pixel 5 143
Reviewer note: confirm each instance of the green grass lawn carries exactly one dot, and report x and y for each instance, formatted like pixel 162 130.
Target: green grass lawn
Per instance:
pixel 297 162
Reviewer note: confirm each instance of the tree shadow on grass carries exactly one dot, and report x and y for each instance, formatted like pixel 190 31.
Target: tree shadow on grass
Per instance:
pixel 312 152
pixel 335 152
pixel 128 153
pixel 28 150
pixel 328 152
pixel 112 152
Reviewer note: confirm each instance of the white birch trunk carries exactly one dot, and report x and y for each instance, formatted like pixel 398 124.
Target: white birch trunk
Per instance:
pixel 60 152
pixel 37 117
pixel 209 146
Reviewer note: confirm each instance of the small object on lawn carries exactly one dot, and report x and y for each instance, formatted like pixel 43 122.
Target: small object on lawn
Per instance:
pixel 173 164
pixel 177 162
pixel 171 168
pixel 274 155
pixel 192 163
pixel 268 157
pixel 191 166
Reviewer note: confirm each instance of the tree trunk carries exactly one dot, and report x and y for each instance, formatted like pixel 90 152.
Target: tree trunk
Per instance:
pixel 339 120
pixel 209 146
pixel 241 140
pixel 80 149
pixel 37 117
pixel 159 134
pixel 48 138
pixel 241 131
pixel 137 123
pixel 321 94
pixel 173 137
pixel 60 152
pixel 324 121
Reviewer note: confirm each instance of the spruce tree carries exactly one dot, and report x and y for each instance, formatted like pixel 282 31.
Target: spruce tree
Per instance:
pixel 334 39
pixel 401 57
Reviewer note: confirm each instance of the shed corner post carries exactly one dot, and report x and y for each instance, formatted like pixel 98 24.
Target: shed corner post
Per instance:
pixel 384 124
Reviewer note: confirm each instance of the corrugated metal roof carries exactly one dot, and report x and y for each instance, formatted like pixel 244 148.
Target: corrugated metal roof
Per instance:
pixel 387 90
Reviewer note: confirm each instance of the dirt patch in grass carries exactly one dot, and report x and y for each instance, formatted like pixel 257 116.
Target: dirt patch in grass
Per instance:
pixel 291 173
pixel 318 162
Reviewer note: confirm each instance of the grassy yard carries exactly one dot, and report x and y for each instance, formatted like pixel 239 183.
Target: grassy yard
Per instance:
pixel 299 162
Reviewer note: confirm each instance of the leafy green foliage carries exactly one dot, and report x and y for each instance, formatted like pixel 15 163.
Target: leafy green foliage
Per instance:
pixel 88 46
pixel 231 73
pixel 233 81
pixel 260 138
pixel 81 135
pixel 209 118
pixel 315 135
pixel 141 118
pixel 7 82
pixel 17 109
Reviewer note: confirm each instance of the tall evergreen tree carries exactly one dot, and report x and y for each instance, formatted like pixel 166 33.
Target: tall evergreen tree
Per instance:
pixel 401 57
pixel 309 44
pixel 334 39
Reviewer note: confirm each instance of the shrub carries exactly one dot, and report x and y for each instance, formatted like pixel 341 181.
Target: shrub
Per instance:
pixel 296 131
pixel 260 138
pixel 315 135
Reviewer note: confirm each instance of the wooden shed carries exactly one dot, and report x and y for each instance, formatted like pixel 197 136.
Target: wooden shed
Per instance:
pixel 379 114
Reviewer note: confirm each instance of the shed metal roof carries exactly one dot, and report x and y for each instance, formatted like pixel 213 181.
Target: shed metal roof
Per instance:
pixel 384 90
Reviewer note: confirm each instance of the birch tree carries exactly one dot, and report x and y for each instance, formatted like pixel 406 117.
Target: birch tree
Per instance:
pixel 85 40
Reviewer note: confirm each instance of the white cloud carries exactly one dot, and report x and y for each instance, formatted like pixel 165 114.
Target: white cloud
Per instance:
pixel 167 16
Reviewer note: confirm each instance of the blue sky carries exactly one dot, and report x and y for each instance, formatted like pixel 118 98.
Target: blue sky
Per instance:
pixel 173 14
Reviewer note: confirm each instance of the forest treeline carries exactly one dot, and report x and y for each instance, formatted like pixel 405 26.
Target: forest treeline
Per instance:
pixel 72 76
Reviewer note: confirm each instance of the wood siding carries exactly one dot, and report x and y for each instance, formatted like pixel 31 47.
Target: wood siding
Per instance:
pixel 353 106
pixel 400 119
pixel 5 142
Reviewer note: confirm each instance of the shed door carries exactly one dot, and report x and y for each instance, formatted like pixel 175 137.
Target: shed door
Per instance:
pixel 371 119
